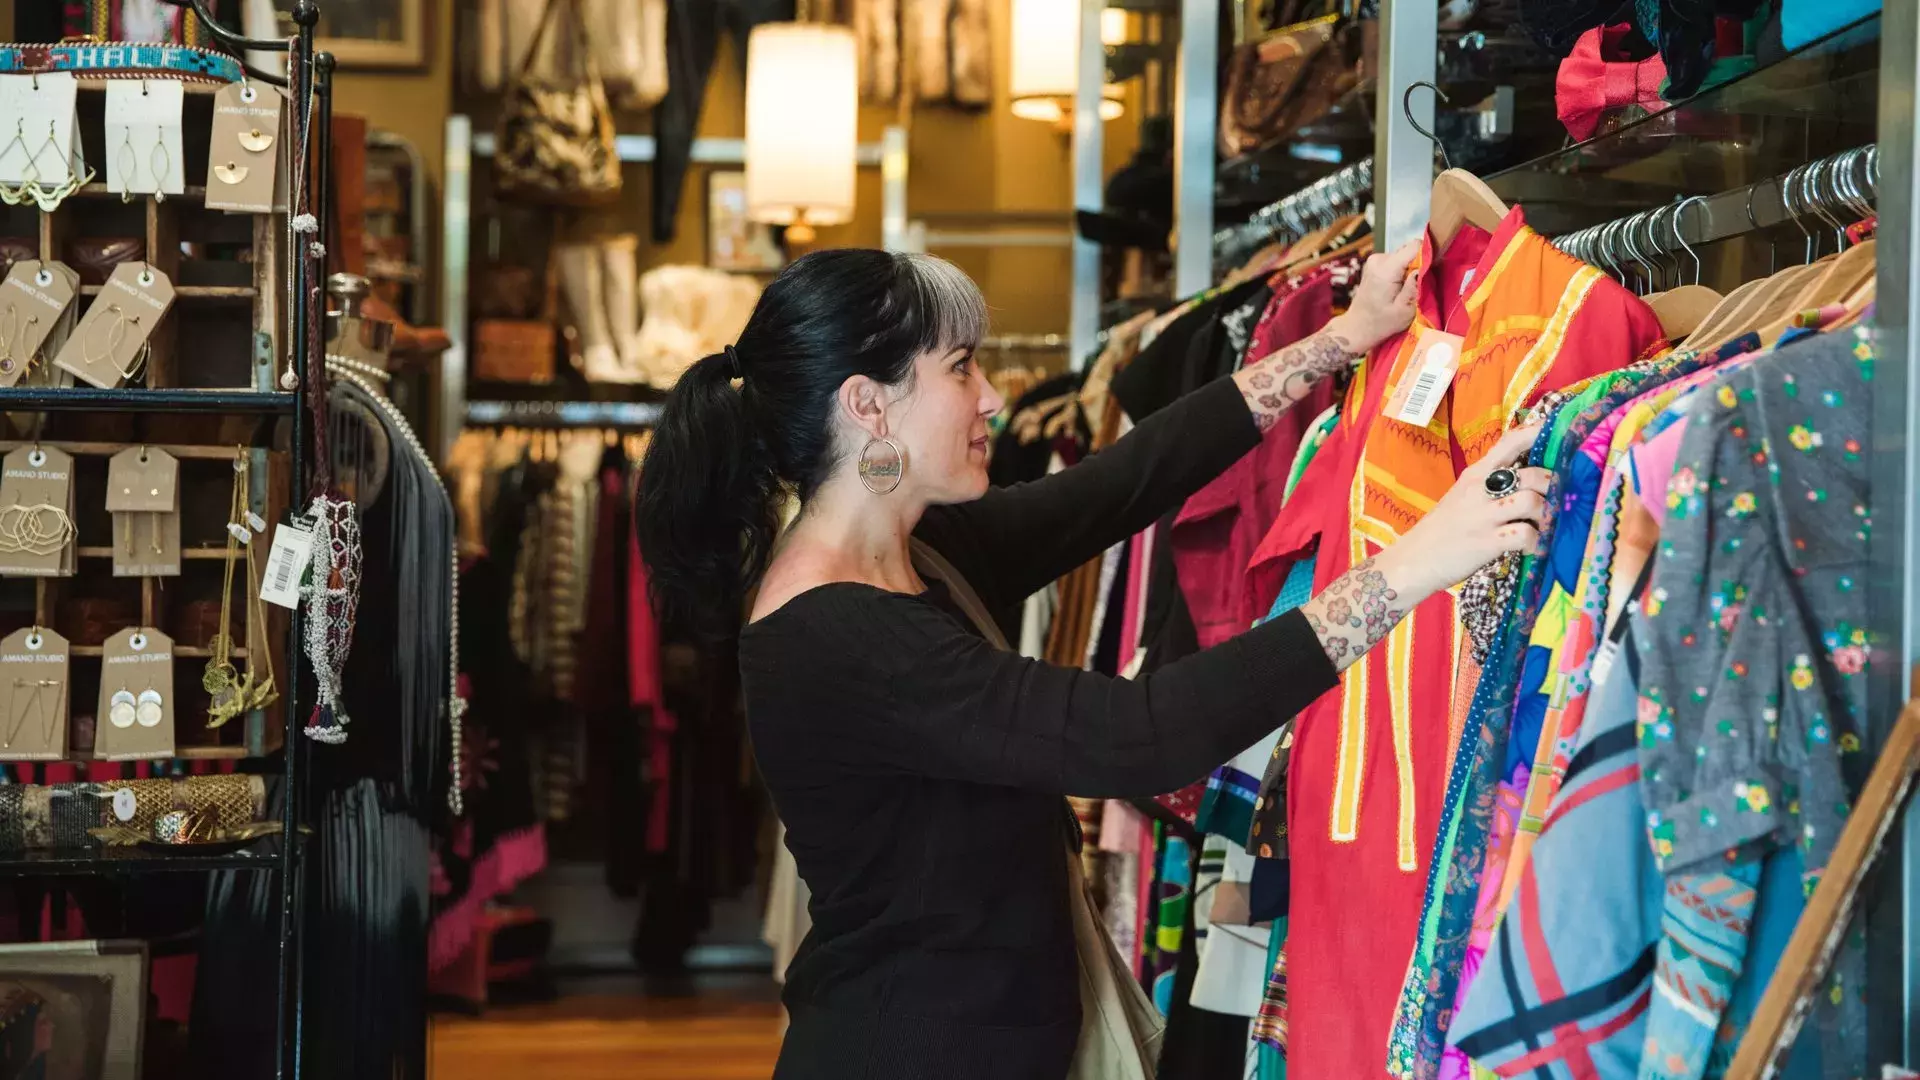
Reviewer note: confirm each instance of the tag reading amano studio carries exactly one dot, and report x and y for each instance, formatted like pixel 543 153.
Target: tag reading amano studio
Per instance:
pixel 1428 374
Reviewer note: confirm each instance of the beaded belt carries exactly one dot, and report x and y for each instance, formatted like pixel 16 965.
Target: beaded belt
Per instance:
pixel 121 60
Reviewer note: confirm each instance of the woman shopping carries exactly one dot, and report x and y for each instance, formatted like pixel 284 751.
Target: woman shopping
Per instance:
pixel 919 768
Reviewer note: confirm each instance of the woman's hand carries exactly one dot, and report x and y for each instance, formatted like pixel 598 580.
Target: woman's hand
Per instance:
pixel 1384 301
pixel 1468 529
pixel 1463 532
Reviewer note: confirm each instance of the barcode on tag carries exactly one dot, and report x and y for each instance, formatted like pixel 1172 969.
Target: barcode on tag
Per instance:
pixel 1429 372
pixel 1423 388
pixel 286 563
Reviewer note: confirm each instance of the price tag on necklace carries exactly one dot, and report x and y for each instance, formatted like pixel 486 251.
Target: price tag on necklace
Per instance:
pixel 287 564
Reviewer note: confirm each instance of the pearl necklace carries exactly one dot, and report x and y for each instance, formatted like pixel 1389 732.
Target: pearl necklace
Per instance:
pixel 361 374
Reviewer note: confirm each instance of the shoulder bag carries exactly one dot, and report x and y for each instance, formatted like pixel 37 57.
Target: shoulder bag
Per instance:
pixel 1120 1030
pixel 555 139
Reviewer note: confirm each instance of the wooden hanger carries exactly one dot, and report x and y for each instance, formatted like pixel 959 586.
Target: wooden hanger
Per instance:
pixel 1461 198
pixel 1767 303
pixel 1842 278
pixel 1681 311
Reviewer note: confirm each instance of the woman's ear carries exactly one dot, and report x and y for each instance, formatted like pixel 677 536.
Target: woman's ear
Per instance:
pixel 864 402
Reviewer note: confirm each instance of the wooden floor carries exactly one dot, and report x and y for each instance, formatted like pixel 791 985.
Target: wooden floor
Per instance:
pixel 713 1030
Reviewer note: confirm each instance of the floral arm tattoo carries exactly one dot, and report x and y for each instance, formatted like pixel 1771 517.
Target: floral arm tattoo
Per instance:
pixel 1273 384
pixel 1354 612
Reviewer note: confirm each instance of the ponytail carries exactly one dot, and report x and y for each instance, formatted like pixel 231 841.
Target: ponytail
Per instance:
pixel 706 511
pixel 722 457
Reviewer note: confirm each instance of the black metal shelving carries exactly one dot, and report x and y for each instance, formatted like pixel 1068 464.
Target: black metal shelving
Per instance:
pixel 311 90
pixel 138 400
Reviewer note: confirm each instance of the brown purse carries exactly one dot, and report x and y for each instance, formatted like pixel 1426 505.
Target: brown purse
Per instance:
pixel 555 138
pixel 1289 78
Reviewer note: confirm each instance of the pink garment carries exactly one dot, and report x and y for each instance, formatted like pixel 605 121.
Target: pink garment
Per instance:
pixel 645 691
pixel 1217 531
pixel 1653 463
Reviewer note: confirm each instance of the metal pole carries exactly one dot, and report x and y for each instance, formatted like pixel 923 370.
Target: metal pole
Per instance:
pixel 1402 157
pixel 1083 322
pixel 1893 977
pixel 1196 112
pixel 456 248
pixel 893 188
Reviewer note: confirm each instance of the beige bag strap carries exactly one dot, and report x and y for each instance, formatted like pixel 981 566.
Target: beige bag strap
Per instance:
pixel 932 564
pixel 557 10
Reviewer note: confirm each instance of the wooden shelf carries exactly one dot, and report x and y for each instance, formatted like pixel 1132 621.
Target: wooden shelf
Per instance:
pixel 108 449
pixel 183 652
pixel 180 753
pixel 98 190
pixel 194 292
pixel 208 552
pixel 193 87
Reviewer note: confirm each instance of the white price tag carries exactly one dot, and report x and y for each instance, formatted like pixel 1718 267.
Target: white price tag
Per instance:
pixel 286 564
pixel 124 804
pixel 1429 373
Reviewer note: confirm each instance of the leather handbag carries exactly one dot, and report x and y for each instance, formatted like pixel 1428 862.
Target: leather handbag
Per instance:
pixel 555 137
pixel 1120 1030
pixel 1289 78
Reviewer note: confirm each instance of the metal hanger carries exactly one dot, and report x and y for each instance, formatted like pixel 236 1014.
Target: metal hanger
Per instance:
pixel 1406 108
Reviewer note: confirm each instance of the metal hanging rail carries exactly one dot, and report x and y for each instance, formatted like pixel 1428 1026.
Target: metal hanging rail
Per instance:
pixel 1807 198
pixel 1293 215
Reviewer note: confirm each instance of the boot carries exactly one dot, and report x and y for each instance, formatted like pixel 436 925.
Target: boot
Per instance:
pixel 580 278
pixel 619 255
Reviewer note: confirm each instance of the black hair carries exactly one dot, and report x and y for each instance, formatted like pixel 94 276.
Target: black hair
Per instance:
pixel 723 458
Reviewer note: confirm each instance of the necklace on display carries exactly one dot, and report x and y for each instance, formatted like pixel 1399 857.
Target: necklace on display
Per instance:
pixel 360 375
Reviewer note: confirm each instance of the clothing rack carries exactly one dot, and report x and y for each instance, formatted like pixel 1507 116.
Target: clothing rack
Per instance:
pixel 1297 214
pixel 564 414
pixel 1807 197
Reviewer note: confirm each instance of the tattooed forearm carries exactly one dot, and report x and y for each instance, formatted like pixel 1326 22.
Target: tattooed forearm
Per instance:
pixel 1354 612
pixel 1273 384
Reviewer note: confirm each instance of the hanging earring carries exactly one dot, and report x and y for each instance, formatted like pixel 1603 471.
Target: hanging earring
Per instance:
pixel 120 709
pixel 231 173
pixel 129 165
pixel 162 170
pixel 255 141
pixel 15 194
pixel 10 332
pixel 879 474
pixel 148 710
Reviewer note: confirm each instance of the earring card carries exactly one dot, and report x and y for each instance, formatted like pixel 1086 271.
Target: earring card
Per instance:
pixel 41 371
pixel 137 662
pixel 143 144
pixel 36 503
pixel 244 153
pixel 145 479
pixel 41 129
pixel 104 348
pixel 33 696
pixel 33 298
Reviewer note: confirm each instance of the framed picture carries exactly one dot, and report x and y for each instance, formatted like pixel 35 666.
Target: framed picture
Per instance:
pixel 733 242
pixel 73 1008
pixel 389 34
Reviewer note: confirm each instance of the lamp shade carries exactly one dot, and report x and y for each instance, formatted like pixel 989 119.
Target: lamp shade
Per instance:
pixel 803 108
pixel 1046 62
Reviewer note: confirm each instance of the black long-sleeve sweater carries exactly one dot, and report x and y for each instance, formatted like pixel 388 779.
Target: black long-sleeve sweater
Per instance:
pixel 919 770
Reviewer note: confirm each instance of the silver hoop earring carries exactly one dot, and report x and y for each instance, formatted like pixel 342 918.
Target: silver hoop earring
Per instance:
pixel 881 476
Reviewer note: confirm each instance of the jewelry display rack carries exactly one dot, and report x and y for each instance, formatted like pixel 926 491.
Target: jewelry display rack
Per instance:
pixel 227 381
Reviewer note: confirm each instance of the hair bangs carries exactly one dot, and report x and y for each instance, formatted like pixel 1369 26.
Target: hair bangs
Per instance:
pixel 946 311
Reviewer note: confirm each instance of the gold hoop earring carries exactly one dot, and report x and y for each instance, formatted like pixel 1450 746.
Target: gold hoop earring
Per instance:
pixel 880 475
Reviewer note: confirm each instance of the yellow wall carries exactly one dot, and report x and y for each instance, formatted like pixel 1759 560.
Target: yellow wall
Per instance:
pixel 968 160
